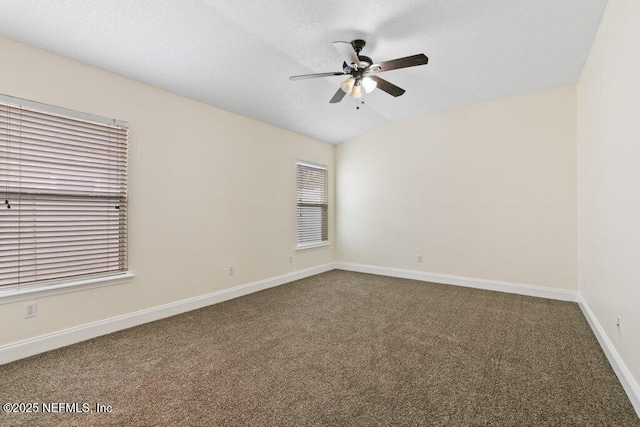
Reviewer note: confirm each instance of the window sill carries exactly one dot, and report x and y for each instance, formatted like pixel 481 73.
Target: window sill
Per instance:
pixel 311 246
pixel 44 290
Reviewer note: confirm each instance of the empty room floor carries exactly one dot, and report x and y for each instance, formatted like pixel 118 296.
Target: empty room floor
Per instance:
pixel 339 348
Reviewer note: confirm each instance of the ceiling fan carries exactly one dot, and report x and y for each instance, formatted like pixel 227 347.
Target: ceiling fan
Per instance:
pixel 362 71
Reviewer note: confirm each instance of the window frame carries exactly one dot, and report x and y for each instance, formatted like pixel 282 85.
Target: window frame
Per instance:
pixel 320 243
pixel 18 292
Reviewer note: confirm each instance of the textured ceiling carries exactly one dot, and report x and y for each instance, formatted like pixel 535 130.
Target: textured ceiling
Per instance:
pixel 238 55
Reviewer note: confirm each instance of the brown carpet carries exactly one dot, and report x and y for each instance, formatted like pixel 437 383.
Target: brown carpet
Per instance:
pixel 338 349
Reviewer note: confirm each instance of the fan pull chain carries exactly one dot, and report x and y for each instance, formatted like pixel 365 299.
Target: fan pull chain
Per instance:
pixel 6 200
pixel 117 156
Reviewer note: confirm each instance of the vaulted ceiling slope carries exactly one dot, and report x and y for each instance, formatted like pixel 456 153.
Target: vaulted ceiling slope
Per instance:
pixel 238 55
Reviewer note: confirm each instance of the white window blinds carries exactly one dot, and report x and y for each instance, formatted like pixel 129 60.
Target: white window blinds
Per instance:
pixel 64 186
pixel 312 204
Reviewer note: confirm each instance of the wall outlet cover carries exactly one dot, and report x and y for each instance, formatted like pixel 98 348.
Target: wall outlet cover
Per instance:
pixel 30 309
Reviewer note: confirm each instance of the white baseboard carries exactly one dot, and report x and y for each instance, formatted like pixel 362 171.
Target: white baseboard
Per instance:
pixel 491 285
pixel 629 383
pixel 40 344
pixel 32 346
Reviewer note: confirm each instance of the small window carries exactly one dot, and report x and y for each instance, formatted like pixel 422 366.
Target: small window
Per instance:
pixel 63 178
pixel 313 227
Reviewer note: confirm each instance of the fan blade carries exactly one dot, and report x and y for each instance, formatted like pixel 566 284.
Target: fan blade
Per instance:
pixel 388 87
pixel 338 96
pixel 394 64
pixel 313 76
pixel 348 53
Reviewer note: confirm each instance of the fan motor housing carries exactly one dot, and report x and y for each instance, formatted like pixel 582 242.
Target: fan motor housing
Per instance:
pixel 365 61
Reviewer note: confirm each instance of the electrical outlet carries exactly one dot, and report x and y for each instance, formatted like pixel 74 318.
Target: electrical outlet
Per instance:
pixel 30 310
pixel 619 324
pixel 230 271
pixel 291 259
pixel 419 258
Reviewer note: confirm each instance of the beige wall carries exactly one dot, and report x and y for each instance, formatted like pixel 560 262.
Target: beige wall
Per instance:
pixel 486 192
pixel 208 189
pixel 609 178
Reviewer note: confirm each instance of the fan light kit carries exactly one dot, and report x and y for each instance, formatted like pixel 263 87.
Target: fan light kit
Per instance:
pixel 352 87
pixel 361 71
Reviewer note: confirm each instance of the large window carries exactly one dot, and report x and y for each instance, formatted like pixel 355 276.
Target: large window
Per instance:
pixel 312 205
pixel 63 178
